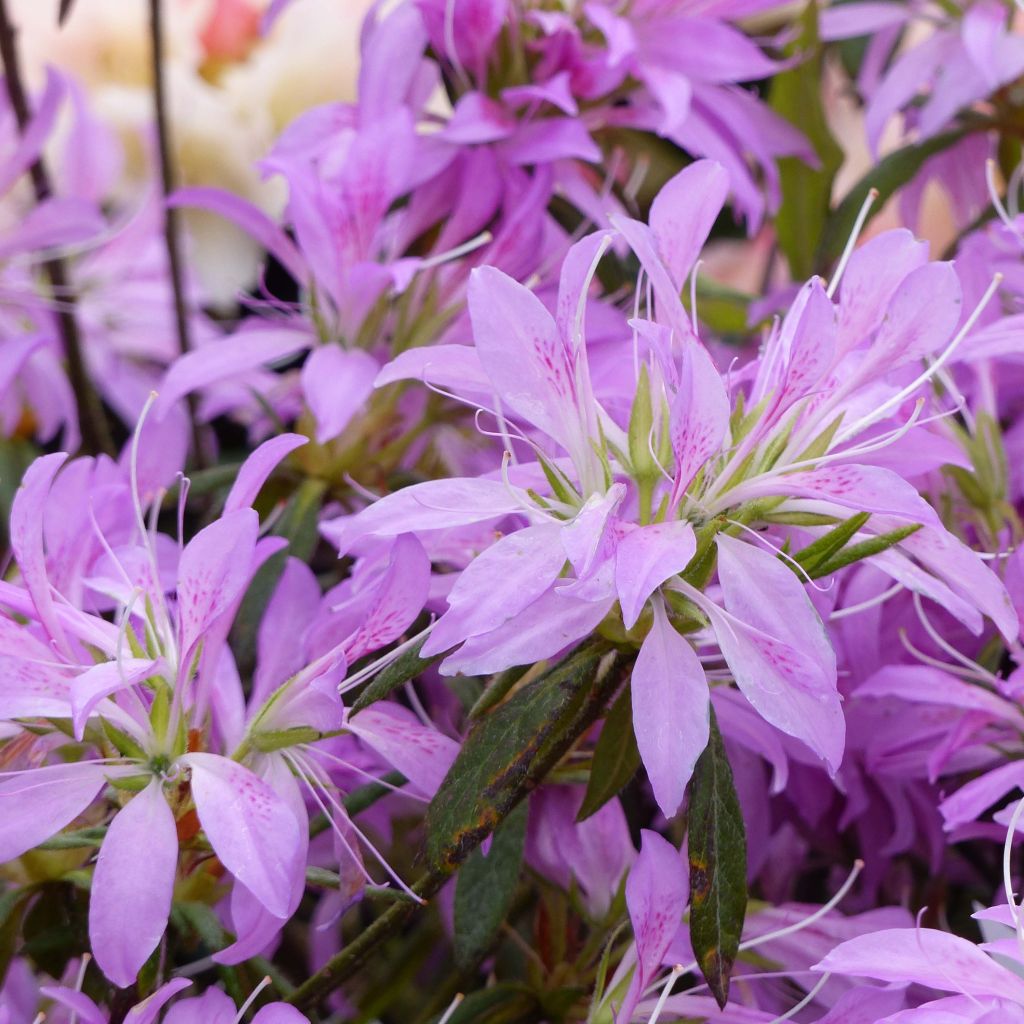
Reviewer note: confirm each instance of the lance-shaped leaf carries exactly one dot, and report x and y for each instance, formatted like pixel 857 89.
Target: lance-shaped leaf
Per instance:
pixel 485 888
pixel 616 757
pixel 718 867
pixel 889 174
pixel 408 665
pixel 806 191
pixel 510 750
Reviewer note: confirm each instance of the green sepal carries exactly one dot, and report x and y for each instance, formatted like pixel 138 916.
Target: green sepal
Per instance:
pixel 865 549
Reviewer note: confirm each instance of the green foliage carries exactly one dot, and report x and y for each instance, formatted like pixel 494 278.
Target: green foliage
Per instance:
pixel 509 750
pixel 806 190
pixel 616 757
pixel 718 866
pixel 889 174
pixel 406 666
pixel 485 888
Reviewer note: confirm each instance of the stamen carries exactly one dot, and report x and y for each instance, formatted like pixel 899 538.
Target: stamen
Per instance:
pixel 581 305
pixel 449 43
pixel 79 982
pixel 252 999
pixel 825 908
pixel 863 606
pixel 693 294
pixel 451 255
pixel 945 645
pixel 858 226
pixel 368 671
pixel 806 1001
pixel 659 1006
pixel 1011 898
pixel 782 554
pixel 896 400
pixel 452 1007
pixel 927 659
pixel 302 774
pixel 299 760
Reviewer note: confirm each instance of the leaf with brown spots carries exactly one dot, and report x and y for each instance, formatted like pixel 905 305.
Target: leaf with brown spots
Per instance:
pixel 718 867
pixel 509 750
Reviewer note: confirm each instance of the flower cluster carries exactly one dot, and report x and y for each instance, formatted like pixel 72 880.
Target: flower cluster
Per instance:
pixel 501 609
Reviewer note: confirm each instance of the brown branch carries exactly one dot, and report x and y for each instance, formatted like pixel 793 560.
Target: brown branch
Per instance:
pixel 172 226
pixel 95 430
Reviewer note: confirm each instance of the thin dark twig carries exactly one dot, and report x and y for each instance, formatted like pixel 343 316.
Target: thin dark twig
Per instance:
pixel 95 429
pixel 172 226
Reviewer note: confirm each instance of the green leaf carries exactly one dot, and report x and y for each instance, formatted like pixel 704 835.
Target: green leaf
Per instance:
pixel 725 310
pixel 13 905
pixel 806 191
pixel 299 526
pixel 496 691
pixel 889 174
pixel 616 757
pixel 485 888
pixel 406 666
pixel 504 1003
pixel 718 867
pixel 510 750
pixel 81 839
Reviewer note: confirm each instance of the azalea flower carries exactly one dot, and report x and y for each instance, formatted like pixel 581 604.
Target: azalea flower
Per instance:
pixel 627 525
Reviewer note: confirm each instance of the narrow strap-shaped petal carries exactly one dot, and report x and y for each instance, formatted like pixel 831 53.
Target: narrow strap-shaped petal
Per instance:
pixel 37 804
pixel 132 885
pixel 671 716
pixel 251 829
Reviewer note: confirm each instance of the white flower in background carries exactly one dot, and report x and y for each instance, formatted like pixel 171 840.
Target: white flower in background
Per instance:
pixel 232 91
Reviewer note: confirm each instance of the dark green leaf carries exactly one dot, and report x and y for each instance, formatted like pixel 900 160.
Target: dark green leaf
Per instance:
pixel 13 904
pixel 485 888
pixel 15 457
pixel 496 691
pixel 503 1003
pixel 616 757
pixel 888 175
pixel 806 191
pixel 718 867
pixel 298 525
pixel 508 752
pixel 406 666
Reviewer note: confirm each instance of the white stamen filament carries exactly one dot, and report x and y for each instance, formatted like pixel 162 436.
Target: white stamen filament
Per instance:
pixel 299 760
pixel 863 606
pixel 449 255
pixel 806 1001
pixel 375 667
pixel 997 203
pixel 825 908
pixel 948 648
pixel 669 984
pixel 927 659
pixel 693 294
pixel 252 999
pixel 797 926
pixel 452 1007
pixel 893 403
pixel 1011 897
pixel 851 242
